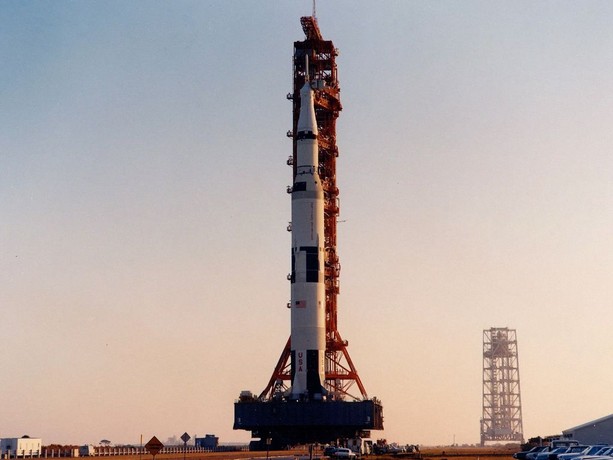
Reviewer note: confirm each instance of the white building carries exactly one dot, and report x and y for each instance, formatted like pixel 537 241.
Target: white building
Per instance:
pixel 598 431
pixel 21 447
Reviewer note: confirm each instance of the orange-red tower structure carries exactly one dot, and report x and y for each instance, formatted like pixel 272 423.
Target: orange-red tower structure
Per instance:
pixel 320 55
pixel 338 413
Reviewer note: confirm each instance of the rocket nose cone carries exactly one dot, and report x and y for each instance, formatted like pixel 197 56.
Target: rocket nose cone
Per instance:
pixel 306 118
pixel 306 92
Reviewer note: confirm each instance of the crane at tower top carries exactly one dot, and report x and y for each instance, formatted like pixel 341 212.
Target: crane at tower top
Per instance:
pixel 310 28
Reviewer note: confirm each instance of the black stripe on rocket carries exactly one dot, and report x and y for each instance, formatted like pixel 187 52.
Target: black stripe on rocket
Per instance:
pixel 312 263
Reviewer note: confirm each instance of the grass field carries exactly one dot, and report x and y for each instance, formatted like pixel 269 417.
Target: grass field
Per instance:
pixel 429 453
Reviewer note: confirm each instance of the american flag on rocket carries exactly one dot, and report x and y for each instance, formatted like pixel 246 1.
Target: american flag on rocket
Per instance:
pixel 300 303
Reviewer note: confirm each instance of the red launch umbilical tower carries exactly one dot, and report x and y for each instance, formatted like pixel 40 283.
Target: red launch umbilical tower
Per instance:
pixel 320 55
pixel 309 400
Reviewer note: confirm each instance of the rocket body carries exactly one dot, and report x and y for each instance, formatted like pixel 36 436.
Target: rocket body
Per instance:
pixel 308 329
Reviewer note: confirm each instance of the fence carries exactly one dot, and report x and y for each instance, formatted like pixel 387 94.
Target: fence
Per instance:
pixel 113 451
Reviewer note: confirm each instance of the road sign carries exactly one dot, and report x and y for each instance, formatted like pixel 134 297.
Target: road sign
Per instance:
pixel 186 437
pixel 154 446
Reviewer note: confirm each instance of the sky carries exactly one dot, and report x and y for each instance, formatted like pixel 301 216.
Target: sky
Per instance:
pixel 143 211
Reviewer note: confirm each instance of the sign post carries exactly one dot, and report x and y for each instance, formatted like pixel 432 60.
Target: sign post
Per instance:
pixel 154 446
pixel 268 443
pixel 185 437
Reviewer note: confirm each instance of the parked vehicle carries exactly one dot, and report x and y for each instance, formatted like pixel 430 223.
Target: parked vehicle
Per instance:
pixel 395 448
pixel 597 457
pixel 577 451
pixel 532 455
pixel 329 451
pixel 606 456
pixel 523 454
pixel 360 446
pixel 343 452
pixel 548 455
pixel 604 453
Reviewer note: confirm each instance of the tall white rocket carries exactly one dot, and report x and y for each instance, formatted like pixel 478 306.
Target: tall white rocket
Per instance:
pixel 308 296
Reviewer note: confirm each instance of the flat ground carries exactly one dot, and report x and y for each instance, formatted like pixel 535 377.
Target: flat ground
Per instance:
pixel 429 453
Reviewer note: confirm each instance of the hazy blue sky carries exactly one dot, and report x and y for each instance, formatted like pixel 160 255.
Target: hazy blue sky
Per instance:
pixel 143 249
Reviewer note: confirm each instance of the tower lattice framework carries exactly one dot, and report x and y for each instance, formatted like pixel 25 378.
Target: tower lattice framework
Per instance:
pixel 340 372
pixel 502 419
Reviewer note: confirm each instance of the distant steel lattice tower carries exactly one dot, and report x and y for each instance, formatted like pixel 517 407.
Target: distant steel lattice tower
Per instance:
pixel 501 419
